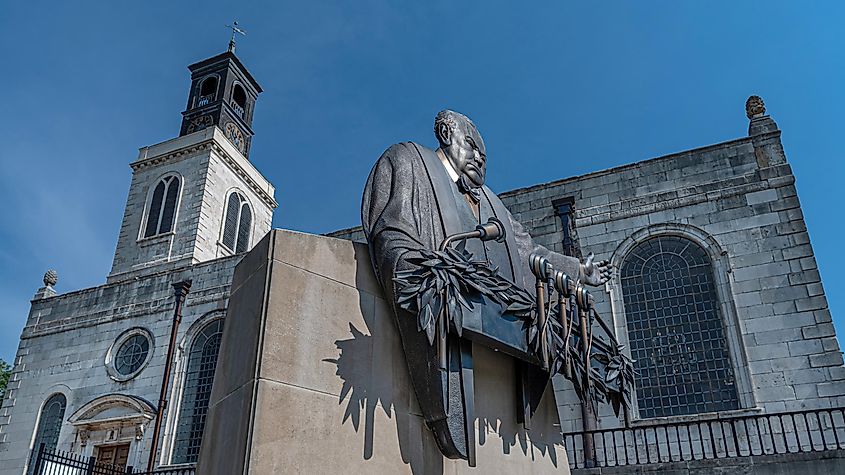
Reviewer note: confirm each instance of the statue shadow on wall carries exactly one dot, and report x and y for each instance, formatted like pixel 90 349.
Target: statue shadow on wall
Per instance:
pixel 372 398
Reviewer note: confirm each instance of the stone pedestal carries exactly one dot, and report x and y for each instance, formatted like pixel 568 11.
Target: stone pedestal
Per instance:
pixel 312 378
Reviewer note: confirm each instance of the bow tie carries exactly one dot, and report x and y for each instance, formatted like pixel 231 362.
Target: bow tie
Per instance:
pixel 467 189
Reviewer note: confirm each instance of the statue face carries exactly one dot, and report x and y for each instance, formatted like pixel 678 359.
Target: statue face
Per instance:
pixel 466 153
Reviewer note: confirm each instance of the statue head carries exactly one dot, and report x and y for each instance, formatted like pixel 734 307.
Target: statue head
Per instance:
pixel 462 145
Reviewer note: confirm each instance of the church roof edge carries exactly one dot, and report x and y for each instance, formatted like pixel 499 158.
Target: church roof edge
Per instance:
pixel 625 166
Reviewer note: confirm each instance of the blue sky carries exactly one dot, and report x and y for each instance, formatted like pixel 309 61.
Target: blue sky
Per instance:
pixel 557 89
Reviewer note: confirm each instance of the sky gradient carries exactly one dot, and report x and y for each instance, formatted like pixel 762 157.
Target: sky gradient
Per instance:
pixel 557 89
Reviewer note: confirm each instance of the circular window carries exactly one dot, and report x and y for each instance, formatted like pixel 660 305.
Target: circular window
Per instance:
pixel 129 354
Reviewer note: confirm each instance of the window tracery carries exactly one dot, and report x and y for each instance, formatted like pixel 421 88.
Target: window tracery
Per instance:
pixel 675 329
pixel 162 208
pixel 237 223
pixel 50 423
pixel 202 360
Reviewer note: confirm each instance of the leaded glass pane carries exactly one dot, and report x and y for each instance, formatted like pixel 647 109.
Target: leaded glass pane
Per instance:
pixel 202 361
pixel 131 354
pixel 50 424
pixel 244 228
pixel 155 210
pixel 675 330
pixel 169 211
pixel 230 228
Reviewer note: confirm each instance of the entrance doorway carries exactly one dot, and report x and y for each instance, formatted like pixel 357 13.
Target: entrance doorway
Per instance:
pixel 114 456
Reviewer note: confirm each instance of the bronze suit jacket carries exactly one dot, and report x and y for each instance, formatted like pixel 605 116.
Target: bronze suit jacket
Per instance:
pixel 411 203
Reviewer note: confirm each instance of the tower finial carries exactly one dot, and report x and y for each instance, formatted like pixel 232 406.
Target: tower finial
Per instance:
pixel 235 29
pixel 50 279
pixel 755 107
pixel 764 133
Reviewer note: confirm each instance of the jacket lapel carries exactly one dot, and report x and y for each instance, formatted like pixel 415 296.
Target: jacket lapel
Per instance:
pixel 441 184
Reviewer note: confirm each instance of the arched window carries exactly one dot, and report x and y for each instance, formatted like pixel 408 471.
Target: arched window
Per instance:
pixel 239 100
pixel 50 423
pixel 675 330
pixel 162 209
pixel 237 223
pixel 202 359
pixel 208 91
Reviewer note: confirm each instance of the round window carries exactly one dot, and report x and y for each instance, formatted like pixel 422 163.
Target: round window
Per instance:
pixel 129 354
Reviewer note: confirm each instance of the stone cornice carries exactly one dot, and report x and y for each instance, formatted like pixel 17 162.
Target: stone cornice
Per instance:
pixel 162 305
pixel 679 198
pixel 233 164
pixel 212 145
pixel 158 160
pixel 627 166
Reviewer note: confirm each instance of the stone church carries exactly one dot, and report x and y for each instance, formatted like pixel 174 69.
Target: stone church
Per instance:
pixel 717 294
pixel 87 375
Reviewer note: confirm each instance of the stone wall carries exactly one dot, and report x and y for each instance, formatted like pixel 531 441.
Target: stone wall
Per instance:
pixel 219 183
pixel 745 212
pixel 209 169
pixel 64 345
pixel 135 253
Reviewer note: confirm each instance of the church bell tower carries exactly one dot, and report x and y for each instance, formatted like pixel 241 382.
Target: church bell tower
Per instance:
pixel 223 93
pixel 197 197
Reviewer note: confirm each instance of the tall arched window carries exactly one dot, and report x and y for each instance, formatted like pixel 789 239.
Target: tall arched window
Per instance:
pixel 162 209
pixel 675 330
pixel 50 424
pixel 202 359
pixel 237 223
pixel 239 100
pixel 208 91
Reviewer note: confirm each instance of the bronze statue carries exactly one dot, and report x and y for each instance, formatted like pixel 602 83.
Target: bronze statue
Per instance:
pixel 416 198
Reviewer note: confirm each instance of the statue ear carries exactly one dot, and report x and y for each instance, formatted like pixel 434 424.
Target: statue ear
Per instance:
pixel 444 134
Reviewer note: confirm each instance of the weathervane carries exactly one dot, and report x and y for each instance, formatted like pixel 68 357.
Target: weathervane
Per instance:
pixel 235 29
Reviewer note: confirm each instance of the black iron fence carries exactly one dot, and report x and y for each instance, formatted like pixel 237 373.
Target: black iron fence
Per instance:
pixel 760 434
pixel 58 462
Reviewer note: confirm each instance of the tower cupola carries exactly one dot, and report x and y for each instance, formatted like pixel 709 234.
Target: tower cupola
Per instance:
pixel 197 197
pixel 223 93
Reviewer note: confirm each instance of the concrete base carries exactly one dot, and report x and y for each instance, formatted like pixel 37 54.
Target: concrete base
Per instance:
pixel 312 378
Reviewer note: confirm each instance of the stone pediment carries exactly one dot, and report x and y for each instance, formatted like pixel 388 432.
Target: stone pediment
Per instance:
pixel 113 409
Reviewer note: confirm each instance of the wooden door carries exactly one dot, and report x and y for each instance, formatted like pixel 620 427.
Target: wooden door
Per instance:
pixel 114 456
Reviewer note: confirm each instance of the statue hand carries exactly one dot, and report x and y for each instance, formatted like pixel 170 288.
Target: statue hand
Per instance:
pixel 596 273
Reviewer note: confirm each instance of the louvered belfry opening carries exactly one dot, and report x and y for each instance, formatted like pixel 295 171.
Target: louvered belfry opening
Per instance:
pixel 239 100
pixel 675 330
pixel 243 228
pixel 237 224
pixel 208 91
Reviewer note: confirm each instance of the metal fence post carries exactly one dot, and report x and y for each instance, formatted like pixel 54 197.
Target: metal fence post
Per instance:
pixel 129 470
pixel 91 463
pixel 38 459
